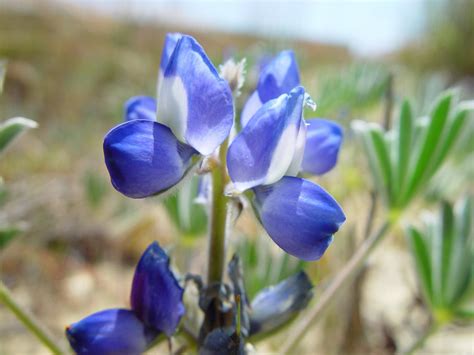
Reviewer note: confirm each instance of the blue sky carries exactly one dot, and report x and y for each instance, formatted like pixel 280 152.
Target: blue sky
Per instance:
pixel 370 27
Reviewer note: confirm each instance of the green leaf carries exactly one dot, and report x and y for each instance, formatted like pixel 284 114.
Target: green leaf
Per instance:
pixel 433 133
pixel 447 231
pixel 11 128
pixel 454 132
pixel 7 234
pixel 383 159
pixel 421 255
pixel 405 133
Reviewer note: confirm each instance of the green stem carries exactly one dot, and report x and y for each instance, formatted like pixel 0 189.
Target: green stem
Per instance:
pixel 28 320
pixel 342 278
pixel 218 217
pixel 433 328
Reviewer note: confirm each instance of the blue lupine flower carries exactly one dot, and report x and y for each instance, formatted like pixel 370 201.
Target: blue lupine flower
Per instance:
pixel 324 138
pixel 278 77
pixel 323 141
pixel 299 216
pixel 194 115
pixel 157 307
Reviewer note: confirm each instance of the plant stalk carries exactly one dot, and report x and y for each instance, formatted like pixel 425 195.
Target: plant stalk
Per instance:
pixel 218 219
pixel 28 320
pixel 297 332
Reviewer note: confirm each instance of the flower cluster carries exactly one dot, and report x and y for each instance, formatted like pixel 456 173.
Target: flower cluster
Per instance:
pixel 156 307
pixel 161 139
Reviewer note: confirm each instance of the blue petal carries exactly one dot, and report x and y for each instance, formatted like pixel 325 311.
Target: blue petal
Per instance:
pixel 156 297
pixel 323 141
pixel 250 108
pixel 276 305
pixel 299 216
pixel 264 150
pixel 193 101
pixel 171 40
pixel 278 77
pixel 144 158
pixel 113 331
pixel 140 108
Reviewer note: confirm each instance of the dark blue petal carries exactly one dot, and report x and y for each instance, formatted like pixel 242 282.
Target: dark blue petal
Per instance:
pixel 299 216
pixel 278 77
pixel 264 150
pixel 276 305
pixel 157 297
pixel 323 141
pixel 193 100
pixel 171 40
pixel 140 108
pixel 113 331
pixel 144 158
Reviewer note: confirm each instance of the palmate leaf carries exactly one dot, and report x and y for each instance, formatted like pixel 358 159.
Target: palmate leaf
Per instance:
pixel 429 143
pixel 443 253
pixel 11 128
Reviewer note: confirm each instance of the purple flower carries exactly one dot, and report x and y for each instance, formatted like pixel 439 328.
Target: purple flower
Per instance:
pixel 157 307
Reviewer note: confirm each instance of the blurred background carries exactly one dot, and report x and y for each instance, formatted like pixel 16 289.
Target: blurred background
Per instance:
pixel 71 64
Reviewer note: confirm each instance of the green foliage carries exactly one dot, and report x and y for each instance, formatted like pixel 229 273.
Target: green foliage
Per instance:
pixel 262 267
pixel 11 128
pixel 189 217
pixel 96 188
pixel 351 89
pixel 443 252
pixel 7 234
pixel 403 160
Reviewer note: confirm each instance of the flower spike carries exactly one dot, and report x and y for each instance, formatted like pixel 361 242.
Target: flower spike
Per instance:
pixel 299 216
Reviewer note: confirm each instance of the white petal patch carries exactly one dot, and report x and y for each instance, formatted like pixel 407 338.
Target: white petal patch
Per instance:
pixel 295 165
pixel 282 155
pixel 172 109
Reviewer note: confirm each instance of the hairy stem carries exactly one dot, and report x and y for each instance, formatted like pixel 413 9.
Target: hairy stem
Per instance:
pixel 28 320
pixel 218 217
pixel 297 332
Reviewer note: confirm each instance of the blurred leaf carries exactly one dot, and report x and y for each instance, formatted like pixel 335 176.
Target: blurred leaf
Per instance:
pixel 189 217
pixel 405 132
pixel 96 188
pixel 444 251
pixel 11 128
pixel 7 234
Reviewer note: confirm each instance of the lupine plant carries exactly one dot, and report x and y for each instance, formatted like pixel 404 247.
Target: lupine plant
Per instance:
pixel 191 143
pixel 443 251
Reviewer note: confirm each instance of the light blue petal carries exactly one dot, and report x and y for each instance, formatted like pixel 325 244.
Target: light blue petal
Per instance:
pixel 144 158
pixel 140 108
pixel 171 40
pixel 323 142
pixel 157 297
pixel 193 101
pixel 110 332
pixel 300 216
pixel 250 108
pixel 264 150
pixel 279 76
pixel 274 306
